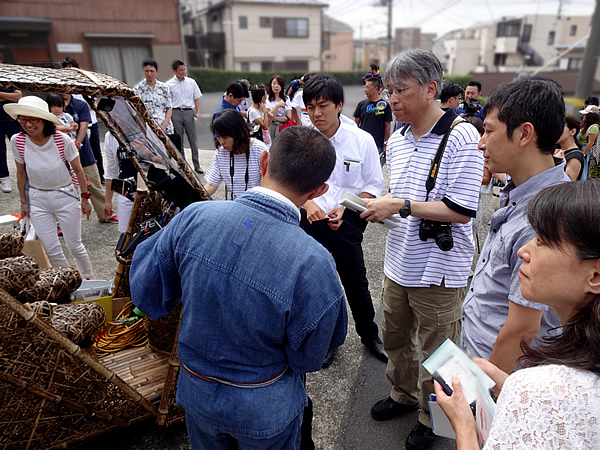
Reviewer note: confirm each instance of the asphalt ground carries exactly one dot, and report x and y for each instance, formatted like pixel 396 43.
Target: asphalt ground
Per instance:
pixel 342 394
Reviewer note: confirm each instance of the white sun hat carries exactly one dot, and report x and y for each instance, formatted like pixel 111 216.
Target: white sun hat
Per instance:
pixel 31 106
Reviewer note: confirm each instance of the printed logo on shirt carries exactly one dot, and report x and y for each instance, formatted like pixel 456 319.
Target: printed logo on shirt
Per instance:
pixel 378 109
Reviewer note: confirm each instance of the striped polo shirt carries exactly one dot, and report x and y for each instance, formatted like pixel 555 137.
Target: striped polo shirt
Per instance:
pixel 409 261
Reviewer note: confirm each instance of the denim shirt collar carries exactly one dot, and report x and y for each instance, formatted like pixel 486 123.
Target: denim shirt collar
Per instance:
pixel 271 205
pixel 278 196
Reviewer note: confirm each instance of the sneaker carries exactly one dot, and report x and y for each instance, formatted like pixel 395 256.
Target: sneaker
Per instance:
pixel 6 186
pixel 387 409
pixel 420 437
pixel 113 219
pixel 59 231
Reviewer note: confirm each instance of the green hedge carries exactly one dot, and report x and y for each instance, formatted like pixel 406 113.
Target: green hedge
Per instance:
pixel 213 80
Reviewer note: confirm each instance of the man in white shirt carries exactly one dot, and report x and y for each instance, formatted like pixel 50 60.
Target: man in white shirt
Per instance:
pixel 340 230
pixel 297 104
pixel 185 96
pixel 425 272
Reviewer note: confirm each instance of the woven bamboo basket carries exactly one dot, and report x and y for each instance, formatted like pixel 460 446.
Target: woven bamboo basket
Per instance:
pixel 53 284
pixel 18 273
pixel 11 244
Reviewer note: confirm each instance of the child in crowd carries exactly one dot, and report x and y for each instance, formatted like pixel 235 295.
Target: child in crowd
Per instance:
pixel 57 107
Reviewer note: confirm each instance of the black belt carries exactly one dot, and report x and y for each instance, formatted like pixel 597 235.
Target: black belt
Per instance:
pixel 183 109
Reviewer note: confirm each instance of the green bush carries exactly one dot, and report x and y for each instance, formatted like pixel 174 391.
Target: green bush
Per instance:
pixel 594 172
pixel 215 80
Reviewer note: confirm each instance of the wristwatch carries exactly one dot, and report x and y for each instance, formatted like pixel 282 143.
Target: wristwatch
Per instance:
pixel 405 211
pixel 87 194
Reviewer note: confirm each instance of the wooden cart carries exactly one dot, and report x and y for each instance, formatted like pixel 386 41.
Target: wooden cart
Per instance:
pixel 53 394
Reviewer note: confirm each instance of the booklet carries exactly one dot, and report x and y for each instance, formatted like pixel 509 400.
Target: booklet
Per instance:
pixel 359 205
pixel 448 360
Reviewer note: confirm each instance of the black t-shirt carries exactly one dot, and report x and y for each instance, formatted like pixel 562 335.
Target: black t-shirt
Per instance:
pixel 578 155
pixel 373 116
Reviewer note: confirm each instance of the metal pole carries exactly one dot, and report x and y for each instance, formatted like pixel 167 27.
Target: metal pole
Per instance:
pixel 180 17
pixel 389 36
pixel 585 82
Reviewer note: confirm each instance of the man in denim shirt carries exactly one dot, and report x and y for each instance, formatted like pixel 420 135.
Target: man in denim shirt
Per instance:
pixel 262 303
pixel 523 121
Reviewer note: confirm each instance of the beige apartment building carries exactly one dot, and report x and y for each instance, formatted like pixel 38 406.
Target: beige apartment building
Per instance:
pixel 258 35
pixel 512 44
pixel 338 45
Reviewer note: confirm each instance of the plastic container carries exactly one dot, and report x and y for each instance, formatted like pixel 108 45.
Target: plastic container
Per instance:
pixel 92 290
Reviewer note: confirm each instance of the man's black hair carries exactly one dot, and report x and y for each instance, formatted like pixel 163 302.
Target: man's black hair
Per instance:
pixel 475 83
pixel 151 62
pixel 592 100
pixel 323 87
pixel 374 80
pixel 537 101
pixel 237 89
pixel 177 63
pixel 450 90
pixel 301 159
pixel 70 62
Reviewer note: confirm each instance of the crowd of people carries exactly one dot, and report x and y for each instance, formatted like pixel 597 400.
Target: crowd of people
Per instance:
pixel 259 313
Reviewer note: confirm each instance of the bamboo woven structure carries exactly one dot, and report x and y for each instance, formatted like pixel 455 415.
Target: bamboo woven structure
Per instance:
pixel 53 394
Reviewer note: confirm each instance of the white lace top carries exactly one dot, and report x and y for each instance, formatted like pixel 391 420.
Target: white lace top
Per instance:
pixel 549 407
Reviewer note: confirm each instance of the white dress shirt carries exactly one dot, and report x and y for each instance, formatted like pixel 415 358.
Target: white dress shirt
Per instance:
pixel 184 92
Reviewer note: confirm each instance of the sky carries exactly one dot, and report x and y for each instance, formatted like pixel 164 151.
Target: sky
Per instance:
pixel 441 16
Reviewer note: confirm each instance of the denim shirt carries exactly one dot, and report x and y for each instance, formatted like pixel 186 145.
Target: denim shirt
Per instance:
pixel 258 295
pixel 496 280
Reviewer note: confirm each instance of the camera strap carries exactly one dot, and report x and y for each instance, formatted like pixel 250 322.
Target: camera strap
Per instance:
pixel 435 164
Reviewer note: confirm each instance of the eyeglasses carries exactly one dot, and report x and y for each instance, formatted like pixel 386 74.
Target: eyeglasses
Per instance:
pixel 399 92
pixel 31 120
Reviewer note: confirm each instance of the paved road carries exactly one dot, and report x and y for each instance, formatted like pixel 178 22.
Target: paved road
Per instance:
pixel 343 394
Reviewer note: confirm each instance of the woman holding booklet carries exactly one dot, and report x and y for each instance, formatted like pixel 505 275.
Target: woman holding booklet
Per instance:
pixel 554 401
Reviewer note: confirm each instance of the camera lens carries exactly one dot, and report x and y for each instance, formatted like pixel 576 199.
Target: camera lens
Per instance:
pixel 444 242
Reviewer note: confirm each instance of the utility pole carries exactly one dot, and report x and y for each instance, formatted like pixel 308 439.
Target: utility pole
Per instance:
pixel 389 36
pixel 585 82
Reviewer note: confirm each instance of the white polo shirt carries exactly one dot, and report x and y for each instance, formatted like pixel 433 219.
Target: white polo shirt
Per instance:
pixel 184 92
pixel 409 261
pixel 357 167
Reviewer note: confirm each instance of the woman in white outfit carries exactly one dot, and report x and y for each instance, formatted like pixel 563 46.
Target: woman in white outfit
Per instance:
pixel 46 156
pixel 554 401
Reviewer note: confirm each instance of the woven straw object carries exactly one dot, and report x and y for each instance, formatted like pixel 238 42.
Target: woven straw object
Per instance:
pixel 163 332
pixel 52 394
pixel 42 309
pixel 54 284
pixel 18 273
pixel 11 244
pixel 79 321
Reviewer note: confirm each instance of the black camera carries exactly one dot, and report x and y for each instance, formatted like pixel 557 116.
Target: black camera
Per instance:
pixel 440 231
pixel 471 107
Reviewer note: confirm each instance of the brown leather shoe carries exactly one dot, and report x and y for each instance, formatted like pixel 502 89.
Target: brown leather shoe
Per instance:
pixel 199 169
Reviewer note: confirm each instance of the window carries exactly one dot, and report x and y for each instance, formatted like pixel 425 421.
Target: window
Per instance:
pixel 299 66
pixel 575 63
pixel 500 59
pixel 264 22
pixel 573 30
pixel 119 61
pixel 245 66
pixel 266 66
pixel 283 27
pixel 330 57
pixel 527 28
pixel 508 28
pixel 243 22
pixel 551 36
pixel 325 41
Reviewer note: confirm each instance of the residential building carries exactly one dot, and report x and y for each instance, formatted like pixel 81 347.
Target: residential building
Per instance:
pixel 111 36
pixel 258 35
pixel 338 45
pixel 370 51
pixel 511 44
pixel 411 38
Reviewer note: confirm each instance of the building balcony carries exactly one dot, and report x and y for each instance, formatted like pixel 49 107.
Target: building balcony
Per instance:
pixel 506 44
pixel 212 42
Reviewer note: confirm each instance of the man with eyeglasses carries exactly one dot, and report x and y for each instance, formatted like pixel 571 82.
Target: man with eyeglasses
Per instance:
pixel 428 257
